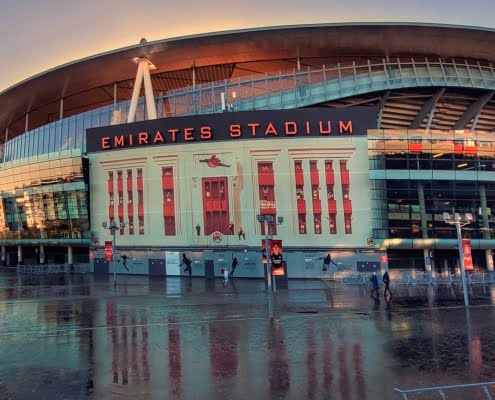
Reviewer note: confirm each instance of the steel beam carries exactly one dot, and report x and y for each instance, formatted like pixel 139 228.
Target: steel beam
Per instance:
pixel 427 109
pixel 383 100
pixel 473 111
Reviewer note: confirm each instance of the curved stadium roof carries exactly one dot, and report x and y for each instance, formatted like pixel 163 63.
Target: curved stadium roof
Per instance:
pixel 89 83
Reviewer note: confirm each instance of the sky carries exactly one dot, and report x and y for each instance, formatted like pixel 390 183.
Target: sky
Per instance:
pixel 38 35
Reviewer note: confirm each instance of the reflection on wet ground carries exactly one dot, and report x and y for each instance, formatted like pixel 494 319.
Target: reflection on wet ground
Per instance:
pixel 76 337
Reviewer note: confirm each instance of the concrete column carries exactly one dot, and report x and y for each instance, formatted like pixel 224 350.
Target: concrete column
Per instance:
pixel 422 211
pixel 42 254
pixel 4 255
pixel 70 260
pixel 19 254
pixel 135 94
pixel 486 224
pixel 428 267
pixel 148 91
pixel 484 212
pixel 489 260
pixel 424 226
pixel 61 116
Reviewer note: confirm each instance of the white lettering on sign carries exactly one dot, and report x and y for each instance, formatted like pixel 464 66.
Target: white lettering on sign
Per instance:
pixel 267 204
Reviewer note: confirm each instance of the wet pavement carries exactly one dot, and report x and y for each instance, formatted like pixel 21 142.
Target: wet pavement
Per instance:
pixel 76 337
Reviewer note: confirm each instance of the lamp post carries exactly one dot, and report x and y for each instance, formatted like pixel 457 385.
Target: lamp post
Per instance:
pixel 459 223
pixel 113 227
pixel 266 219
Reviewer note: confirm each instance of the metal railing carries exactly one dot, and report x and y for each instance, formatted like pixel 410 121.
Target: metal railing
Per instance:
pixel 407 278
pixel 281 91
pixel 467 391
pixel 299 89
pixel 427 278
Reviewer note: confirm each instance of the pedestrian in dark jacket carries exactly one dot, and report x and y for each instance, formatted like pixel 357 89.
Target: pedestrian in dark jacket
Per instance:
pixel 235 263
pixel 386 281
pixel 187 262
pixel 326 262
pixel 374 284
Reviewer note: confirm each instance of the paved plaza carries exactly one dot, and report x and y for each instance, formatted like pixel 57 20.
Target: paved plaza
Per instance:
pixel 76 337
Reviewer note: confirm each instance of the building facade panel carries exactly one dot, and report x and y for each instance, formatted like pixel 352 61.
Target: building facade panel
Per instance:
pixel 222 189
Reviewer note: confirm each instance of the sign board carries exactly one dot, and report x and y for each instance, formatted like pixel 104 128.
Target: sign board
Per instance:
pixel 466 251
pixel 270 204
pixel 276 257
pixel 108 250
pixel 216 236
pixel 172 259
pixel 269 124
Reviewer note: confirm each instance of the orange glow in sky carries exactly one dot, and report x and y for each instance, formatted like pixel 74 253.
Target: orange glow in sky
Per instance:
pixel 40 35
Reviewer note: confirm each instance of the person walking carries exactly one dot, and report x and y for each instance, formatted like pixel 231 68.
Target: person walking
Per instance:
pixel 124 261
pixel 187 262
pixel 225 276
pixel 235 263
pixel 386 281
pixel 327 260
pixel 374 283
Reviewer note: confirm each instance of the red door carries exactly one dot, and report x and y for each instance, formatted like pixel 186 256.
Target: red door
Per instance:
pixel 216 205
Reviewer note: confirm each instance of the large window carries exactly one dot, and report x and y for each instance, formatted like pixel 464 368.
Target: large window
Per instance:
pixel 34 204
pixel 435 150
pixel 406 209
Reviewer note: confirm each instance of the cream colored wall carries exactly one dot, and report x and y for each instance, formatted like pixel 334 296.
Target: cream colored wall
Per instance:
pixel 242 156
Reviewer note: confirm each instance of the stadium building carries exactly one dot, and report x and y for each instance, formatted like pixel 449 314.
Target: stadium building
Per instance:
pixel 360 136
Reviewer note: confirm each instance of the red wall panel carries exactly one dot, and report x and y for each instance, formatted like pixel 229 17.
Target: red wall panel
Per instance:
pixel 168 201
pixel 332 204
pixel 266 190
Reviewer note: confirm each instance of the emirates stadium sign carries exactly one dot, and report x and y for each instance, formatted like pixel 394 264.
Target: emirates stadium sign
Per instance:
pixel 318 122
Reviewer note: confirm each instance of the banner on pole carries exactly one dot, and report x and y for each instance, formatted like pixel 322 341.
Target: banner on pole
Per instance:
pixel 108 250
pixel 466 251
pixel 276 257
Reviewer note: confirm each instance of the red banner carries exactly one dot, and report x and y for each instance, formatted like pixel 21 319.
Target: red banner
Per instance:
pixel 466 251
pixel 276 257
pixel 108 250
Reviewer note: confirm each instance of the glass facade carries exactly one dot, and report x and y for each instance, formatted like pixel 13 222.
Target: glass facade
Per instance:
pixel 68 133
pixel 45 198
pixel 418 175
pixel 268 92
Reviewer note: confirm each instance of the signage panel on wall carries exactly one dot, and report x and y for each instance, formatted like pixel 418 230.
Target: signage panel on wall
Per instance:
pixel 276 257
pixel 466 251
pixel 108 250
pixel 209 194
pixel 315 122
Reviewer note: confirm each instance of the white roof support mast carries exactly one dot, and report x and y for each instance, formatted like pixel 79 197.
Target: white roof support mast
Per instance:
pixel 143 73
